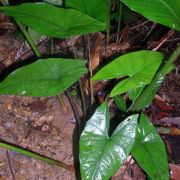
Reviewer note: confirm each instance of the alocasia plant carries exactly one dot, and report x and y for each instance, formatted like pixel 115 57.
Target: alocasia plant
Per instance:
pixel 100 154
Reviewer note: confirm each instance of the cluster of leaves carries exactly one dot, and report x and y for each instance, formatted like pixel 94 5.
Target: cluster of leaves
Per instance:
pixel 48 77
pixel 100 155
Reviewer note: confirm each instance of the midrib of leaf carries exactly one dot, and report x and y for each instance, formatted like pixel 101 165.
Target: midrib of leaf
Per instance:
pixel 143 68
pixel 102 153
pixel 39 79
pixel 163 2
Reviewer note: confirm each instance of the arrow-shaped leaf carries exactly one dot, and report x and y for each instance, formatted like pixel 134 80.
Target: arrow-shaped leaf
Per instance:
pixel 46 77
pixel 165 12
pixel 140 66
pixel 101 155
pixel 53 21
pixel 149 150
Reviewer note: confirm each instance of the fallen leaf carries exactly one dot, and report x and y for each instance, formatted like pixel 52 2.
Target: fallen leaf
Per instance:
pixel 174 171
pixel 95 53
pixel 162 104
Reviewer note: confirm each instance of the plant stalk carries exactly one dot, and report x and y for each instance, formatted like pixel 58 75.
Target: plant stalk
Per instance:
pixel 162 72
pixel 36 156
pixel 108 24
pixel 29 39
pixel 119 21
pixel 25 33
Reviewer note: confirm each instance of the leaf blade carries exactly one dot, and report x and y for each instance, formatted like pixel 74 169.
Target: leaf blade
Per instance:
pixel 165 12
pixel 97 9
pixel 128 64
pixel 52 21
pixel 149 143
pixel 101 155
pixel 43 78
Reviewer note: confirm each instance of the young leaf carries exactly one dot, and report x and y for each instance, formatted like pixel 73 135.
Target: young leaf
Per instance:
pixel 53 21
pixel 97 9
pixel 165 12
pixel 101 155
pixel 149 150
pixel 46 77
pixel 153 88
pixel 140 66
pixel 120 102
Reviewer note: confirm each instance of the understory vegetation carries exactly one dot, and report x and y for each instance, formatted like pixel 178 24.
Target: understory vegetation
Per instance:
pixel 133 76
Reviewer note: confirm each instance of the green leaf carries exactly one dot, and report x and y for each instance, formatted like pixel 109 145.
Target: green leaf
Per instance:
pixel 53 21
pixel 97 9
pixel 153 88
pixel 101 155
pixel 47 77
pixel 134 93
pixel 149 150
pixel 165 12
pixel 139 66
pixel 120 102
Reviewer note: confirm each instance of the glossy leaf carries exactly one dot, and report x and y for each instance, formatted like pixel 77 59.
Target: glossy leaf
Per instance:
pixel 46 77
pixel 149 150
pixel 101 155
pixel 165 12
pixel 53 21
pixel 97 9
pixel 140 67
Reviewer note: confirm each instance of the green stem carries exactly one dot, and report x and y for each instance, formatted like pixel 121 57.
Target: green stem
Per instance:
pixel 156 82
pixel 35 156
pixel 29 39
pixel 119 21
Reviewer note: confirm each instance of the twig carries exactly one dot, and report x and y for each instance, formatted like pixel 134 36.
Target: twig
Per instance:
pixel 108 25
pixel 139 25
pixel 90 71
pixel 163 40
pixel 119 21
pixel 9 163
pixel 74 108
pixel 127 166
pixel 83 101
pixel 150 31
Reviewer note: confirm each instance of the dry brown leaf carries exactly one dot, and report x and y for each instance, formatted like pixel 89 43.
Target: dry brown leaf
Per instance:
pixel 95 56
pixel 175 172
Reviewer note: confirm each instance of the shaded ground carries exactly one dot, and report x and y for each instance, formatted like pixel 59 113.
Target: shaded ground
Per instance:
pixel 39 125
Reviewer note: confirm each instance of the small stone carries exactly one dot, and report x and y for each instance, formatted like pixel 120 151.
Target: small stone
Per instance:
pixel 9 107
pixel 26 113
pixel 39 121
pixel 49 118
pixel 8 125
pixel 45 128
